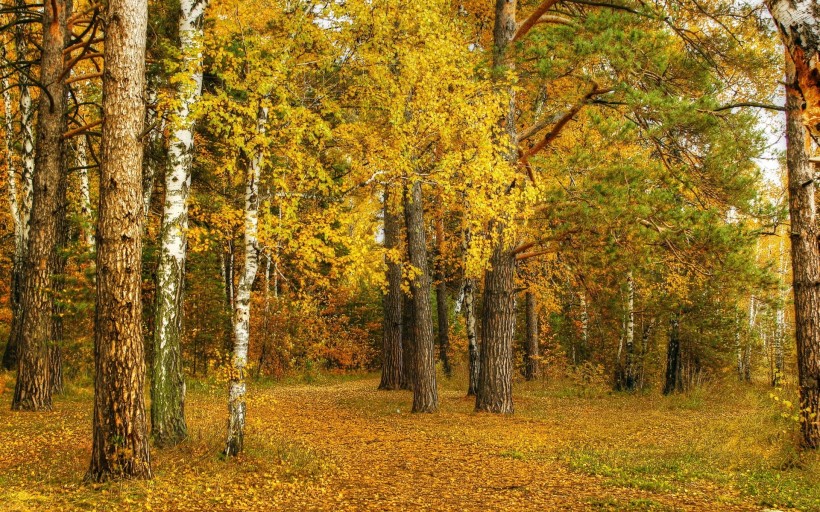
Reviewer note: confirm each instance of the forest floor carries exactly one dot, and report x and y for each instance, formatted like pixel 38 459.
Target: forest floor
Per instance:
pixel 338 444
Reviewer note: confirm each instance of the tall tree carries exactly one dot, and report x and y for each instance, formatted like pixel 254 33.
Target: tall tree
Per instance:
pixel 392 366
pixel 34 385
pixel 442 307
pixel 120 447
pixel 799 24
pixel 425 393
pixel 242 307
pixel 168 380
pixel 532 366
pixel 805 261
pixel 26 113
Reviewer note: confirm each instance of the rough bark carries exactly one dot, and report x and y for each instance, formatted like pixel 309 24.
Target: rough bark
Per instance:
pixel 532 365
pixel 805 263
pixel 120 447
pixel 408 341
pixel 242 304
pixel 673 381
pixel 168 380
pixel 442 308
pixel 425 394
pixel 498 314
pixel 392 364
pixel 36 342
pixel 26 113
pixel 498 329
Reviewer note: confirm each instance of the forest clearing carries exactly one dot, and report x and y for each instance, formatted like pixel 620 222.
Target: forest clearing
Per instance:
pixel 390 255
pixel 339 444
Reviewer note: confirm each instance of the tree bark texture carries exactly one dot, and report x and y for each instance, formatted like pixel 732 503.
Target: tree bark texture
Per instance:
pixel 532 365
pixel 805 262
pixel 242 304
pixel 442 308
pixel 425 394
pixel 392 364
pixel 120 433
pixel 168 379
pixel 673 381
pixel 26 113
pixel 498 314
pixel 36 342
pixel 473 346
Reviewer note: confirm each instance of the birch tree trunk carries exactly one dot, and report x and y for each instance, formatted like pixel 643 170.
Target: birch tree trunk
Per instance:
pixel 425 393
pixel 780 323
pixel 120 439
pixel 26 192
pixel 242 307
pixel 168 380
pixel 392 343
pixel 628 375
pixel 473 347
pixel 805 253
pixel 532 365
pixel 85 193
pixel 34 385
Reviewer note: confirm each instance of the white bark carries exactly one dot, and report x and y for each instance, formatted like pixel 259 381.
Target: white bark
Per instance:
pixel 11 168
pixel 584 326
pixel 85 193
pixel 26 112
pixel 242 309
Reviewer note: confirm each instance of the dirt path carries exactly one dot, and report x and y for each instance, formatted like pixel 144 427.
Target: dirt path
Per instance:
pixel 390 460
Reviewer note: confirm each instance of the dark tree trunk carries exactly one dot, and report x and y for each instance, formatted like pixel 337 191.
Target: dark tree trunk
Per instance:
pixel 442 308
pixel 805 263
pixel 120 433
pixel 392 364
pixel 498 329
pixel 532 366
pixel 34 352
pixel 473 347
pixel 408 342
pixel 494 392
pixel 425 394
pixel 60 261
pixel 673 383
pixel 227 278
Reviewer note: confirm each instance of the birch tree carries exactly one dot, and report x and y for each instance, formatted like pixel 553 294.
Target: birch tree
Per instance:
pixel 242 308
pixel 26 114
pixel 168 425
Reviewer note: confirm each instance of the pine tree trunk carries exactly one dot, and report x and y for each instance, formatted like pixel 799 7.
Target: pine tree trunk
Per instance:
pixel 473 347
pixel 425 394
pixel 532 365
pixel 168 379
pixel 26 113
pixel 34 385
pixel 392 365
pixel 498 314
pixel 673 383
pixel 805 263
pixel 442 308
pixel 242 308
pixel 498 330
pixel 408 342
pixel 120 439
